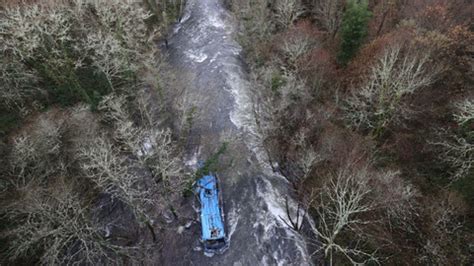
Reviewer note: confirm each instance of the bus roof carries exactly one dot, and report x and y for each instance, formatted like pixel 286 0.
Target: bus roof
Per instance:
pixel 211 219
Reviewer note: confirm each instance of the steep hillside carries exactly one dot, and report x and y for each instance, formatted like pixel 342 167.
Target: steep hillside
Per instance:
pixel 366 107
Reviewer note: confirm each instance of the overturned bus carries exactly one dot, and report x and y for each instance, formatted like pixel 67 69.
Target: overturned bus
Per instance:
pixel 213 234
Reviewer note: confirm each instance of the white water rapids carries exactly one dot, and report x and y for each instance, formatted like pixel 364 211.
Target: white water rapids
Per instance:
pixel 202 48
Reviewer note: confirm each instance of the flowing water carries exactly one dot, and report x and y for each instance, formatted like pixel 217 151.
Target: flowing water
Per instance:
pixel 202 47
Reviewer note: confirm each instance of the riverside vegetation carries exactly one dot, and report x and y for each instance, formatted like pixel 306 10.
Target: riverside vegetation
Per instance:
pixel 367 108
pixel 89 159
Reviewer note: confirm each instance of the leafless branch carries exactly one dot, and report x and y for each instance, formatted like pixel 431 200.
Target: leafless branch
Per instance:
pixel 339 204
pixel 287 11
pixel 329 14
pixel 380 101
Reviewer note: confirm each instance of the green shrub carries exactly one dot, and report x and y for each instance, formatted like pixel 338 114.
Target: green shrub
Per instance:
pixel 277 82
pixel 354 29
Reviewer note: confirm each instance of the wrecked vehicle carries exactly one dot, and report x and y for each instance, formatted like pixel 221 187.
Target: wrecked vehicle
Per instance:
pixel 213 234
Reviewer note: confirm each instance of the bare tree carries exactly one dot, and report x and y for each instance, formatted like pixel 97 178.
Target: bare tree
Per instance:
pixel 32 24
pixel 128 51
pixel 307 157
pixel 380 101
pixel 17 84
pixel 458 148
pixel 166 10
pixel 39 159
pixel 115 110
pixel 23 155
pixel 397 199
pixel 187 112
pixel 340 204
pixel 329 14
pixel 36 154
pixel 465 112
pixel 444 241
pixel 273 95
pixel 96 36
pixel 308 160
pixel 149 110
pixel 262 100
pixel 161 157
pixel 57 221
pixel 458 153
pixel 287 11
pixel 255 18
pixel 294 47
pixel 295 222
pixel 117 176
pixel 151 146
pixel 131 52
pixel 52 216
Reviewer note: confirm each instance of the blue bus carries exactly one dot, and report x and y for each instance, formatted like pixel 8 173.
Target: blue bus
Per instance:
pixel 213 234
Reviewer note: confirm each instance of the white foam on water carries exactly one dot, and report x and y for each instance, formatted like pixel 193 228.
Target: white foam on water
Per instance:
pixel 209 254
pixel 274 205
pixel 214 58
pixel 233 221
pixel 265 261
pixel 186 17
pixel 196 57
pixel 216 21
pixel 242 117
pixel 177 28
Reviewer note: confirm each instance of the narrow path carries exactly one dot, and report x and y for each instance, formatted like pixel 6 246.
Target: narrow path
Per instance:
pixel 208 60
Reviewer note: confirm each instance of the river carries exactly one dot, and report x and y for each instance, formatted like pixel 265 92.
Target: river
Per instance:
pixel 207 58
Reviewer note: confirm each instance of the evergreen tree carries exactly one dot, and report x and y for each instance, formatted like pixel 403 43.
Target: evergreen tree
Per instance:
pixel 354 29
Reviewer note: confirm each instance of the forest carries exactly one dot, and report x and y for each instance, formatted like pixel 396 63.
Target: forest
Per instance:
pixel 88 159
pixel 366 107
